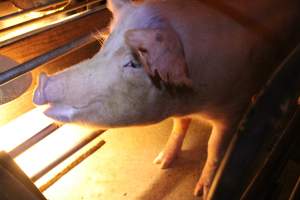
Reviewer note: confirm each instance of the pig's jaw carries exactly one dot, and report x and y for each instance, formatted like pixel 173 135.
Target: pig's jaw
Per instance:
pixel 62 113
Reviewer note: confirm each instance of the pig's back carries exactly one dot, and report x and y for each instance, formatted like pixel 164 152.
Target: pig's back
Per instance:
pixel 231 51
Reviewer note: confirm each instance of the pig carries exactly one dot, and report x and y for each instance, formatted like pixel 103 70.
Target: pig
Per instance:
pixel 180 59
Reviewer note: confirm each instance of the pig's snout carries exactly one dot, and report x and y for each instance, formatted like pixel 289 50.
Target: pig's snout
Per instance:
pixel 39 94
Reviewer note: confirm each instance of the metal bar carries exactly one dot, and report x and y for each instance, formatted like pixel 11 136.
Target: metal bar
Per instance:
pixel 45 58
pixel 72 8
pixel 71 166
pixel 296 191
pixel 66 155
pixel 260 129
pixel 33 140
pixel 274 163
pixel 35 9
pixel 6 40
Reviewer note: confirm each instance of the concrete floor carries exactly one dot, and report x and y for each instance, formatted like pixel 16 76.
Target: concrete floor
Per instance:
pixel 123 169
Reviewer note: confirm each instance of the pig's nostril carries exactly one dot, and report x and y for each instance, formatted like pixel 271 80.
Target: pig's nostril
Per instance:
pixel 38 98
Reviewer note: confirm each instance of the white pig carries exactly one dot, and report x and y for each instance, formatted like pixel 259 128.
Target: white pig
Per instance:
pixel 175 58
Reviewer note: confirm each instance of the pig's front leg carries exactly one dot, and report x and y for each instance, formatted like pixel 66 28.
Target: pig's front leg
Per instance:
pixel 173 146
pixel 217 144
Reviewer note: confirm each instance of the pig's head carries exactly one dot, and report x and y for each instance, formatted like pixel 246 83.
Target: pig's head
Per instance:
pixel 127 82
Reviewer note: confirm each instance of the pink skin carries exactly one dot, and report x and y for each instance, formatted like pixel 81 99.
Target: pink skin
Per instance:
pixel 178 59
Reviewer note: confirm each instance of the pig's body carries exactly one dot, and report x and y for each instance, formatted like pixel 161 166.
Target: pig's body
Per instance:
pixel 223 56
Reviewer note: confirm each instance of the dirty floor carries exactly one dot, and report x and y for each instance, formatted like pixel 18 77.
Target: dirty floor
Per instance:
pixel 123 170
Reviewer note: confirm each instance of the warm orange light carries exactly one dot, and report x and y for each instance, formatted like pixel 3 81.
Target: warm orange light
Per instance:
pixel 19 19
pixel 44 152
pixel 31 26
pixel 50 148
pixel 22 128
pixel 25 17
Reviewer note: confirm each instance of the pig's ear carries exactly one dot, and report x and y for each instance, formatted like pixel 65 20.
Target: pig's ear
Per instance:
pixel 161 53
pixel 115 5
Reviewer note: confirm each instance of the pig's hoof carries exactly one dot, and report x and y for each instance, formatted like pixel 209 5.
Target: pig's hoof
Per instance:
pixel 205 181
pixel 202 188
pixel 164 159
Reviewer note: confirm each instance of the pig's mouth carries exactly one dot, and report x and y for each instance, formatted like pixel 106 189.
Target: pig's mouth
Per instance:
pixel 59 112
pixel 62 113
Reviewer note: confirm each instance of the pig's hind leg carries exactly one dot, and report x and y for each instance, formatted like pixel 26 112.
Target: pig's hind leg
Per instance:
pixel 173 146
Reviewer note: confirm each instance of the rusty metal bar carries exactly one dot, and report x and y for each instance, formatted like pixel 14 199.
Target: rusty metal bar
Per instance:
pixel 45 58
pixel 66 155
pixel 71 166
pixel 33 140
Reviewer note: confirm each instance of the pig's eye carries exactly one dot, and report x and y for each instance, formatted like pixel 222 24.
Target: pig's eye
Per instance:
pixel 132 64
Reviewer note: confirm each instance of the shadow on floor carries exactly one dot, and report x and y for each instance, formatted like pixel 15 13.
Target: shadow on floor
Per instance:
pixel 177 182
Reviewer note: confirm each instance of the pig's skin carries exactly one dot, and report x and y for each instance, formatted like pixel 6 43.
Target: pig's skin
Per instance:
pixel 227 61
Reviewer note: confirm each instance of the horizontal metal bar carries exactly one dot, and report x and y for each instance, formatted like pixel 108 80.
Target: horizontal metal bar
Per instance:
pixel 45 58
pixel 28 28
pixel 33 140
pixel 71 166
pixel 6 40
pixel 35 9
pixel 66 155
pixel 72 8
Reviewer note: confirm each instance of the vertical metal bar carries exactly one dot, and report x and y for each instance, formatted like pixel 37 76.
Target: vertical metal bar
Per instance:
pixel 261 128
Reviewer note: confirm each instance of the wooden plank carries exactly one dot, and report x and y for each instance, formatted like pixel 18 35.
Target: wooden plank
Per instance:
pixel 40 43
